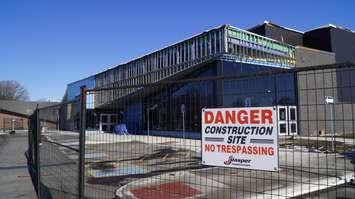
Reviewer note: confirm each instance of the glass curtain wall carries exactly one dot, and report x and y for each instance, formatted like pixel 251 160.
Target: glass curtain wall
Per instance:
pixel 256 91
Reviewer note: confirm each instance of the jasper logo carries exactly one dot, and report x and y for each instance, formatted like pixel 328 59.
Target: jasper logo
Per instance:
pixel 236 160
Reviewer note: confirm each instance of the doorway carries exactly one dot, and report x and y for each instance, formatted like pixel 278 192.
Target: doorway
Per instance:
pixel 287 120
pixel 107 122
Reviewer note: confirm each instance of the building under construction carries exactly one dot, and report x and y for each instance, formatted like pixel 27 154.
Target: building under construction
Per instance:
pixel 222 51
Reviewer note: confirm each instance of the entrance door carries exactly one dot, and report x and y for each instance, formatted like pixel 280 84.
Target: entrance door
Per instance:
pixel 287 120
pixel 292 120
pixel 107 122
pixel 282 120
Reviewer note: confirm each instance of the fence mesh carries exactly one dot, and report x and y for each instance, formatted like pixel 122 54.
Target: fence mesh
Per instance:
pixel 58 151
pixel 144 141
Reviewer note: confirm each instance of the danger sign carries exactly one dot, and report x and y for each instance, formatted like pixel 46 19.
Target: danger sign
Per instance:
pixel 240 137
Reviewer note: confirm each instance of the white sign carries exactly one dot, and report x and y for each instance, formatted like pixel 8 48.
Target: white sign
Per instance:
pixel 240 138
pixel 329 100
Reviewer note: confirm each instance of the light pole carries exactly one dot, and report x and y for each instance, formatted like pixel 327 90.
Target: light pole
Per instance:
pixel 148 120
pixel 57 121
pixel 269 97
pixel 330 100
pixel 183 109
pixel 13 125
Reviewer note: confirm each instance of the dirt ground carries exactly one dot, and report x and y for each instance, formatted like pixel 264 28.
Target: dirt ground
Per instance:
pixel 136 167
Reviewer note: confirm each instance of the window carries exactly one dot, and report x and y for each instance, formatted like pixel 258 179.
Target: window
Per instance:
pixel 213 42
pixel 230 48
pixel 104 118
pixel 203 43
pixel 182 53
pixel 293 128
pixel 283 128
pixel 199 49
pixel 292 114
pixel 218 42
pixel 282 114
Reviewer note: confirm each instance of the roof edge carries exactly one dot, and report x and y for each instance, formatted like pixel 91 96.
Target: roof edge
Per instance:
pixel 162 48
pixel 279 26
pixel 331 26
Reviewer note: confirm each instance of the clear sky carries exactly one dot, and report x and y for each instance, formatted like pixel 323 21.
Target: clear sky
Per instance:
pixel 47 44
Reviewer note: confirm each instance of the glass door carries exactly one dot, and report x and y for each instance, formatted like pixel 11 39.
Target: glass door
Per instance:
pixel 107 122
pixel 292 120
pixel 282 120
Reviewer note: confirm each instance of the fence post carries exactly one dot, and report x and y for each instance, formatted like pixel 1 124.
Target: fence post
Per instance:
pixel 37 130
pixel 82 141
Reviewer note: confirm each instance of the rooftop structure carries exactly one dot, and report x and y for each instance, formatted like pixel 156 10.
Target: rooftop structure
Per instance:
pixel 225 42
pixel 279 33
pixel 331 38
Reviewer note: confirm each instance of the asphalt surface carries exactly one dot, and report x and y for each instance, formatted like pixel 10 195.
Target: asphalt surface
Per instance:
pixel 15 181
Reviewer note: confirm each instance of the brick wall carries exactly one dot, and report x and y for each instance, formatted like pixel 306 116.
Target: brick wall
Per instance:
pixel 6 121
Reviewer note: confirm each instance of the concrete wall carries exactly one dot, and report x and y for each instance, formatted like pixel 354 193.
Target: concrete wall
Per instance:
pixel 332 39
pixel 343 44
pixel 312 57
pixel 314 115
pixel 318 39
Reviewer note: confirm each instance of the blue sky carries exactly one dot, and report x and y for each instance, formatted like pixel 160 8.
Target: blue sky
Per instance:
pixel 47 44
